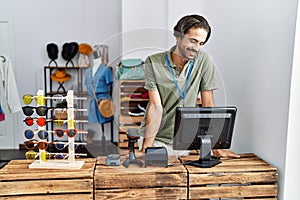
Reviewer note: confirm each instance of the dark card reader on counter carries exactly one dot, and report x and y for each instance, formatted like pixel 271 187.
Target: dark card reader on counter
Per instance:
pixel 156 156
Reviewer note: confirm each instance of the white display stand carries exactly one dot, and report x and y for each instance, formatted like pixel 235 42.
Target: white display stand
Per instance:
pixel 70 162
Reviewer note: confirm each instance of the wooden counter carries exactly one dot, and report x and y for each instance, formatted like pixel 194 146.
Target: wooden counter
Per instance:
pixel 134 182
pixel 248 177
pixel 17 181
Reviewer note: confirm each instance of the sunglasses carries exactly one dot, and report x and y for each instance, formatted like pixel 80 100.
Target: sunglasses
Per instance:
pixel 31 155
pixel 40 110
pixel 58 98
pixel 70 132
pixel 29 121
pixel 63 156
pixel 62 145
pixel 41 145
pixel 42 134
pixel 40 100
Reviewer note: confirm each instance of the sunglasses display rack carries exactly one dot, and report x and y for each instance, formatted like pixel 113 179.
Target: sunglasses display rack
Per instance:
pixel 65 160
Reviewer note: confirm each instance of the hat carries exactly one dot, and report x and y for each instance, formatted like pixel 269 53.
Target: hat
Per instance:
pixel 85 48
pixel 52 50
pixel 69 50
pixel 60 75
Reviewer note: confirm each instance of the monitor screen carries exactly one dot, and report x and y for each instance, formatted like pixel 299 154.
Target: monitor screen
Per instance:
pixel 192 122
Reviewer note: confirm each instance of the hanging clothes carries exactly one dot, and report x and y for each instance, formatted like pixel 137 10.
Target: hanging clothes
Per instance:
pixel 2 115
pixel 9 95
pixel 101 82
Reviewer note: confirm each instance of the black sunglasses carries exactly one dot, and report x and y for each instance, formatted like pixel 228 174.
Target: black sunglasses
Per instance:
pixel 40 110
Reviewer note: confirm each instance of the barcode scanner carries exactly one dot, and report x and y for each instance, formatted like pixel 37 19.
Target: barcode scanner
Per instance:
pixel 133 138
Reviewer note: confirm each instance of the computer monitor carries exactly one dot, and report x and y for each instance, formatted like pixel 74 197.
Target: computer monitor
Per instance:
pixel 204 128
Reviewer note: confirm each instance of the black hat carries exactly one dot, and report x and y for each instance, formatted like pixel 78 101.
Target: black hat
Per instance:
pixel 52 50
pixel 69 51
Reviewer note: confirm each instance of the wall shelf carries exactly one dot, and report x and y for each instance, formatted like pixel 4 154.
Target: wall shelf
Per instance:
pixel 130 92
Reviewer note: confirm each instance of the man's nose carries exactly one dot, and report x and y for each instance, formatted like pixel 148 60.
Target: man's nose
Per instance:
pixel 196 47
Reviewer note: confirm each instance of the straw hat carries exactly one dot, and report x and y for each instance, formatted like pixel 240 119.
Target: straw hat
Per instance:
pixel 60 75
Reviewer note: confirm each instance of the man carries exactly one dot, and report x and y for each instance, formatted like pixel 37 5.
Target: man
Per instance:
pixel 175 78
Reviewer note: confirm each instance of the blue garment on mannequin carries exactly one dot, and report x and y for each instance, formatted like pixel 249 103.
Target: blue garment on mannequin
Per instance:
pixel 101 82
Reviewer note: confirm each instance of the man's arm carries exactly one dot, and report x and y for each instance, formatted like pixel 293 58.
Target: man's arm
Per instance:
pixel 207 98
pixel 153 118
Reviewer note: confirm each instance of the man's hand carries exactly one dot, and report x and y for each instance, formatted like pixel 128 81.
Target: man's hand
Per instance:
pixel 139 154
pixel 224 153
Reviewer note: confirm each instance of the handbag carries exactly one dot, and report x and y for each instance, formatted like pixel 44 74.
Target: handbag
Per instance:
pixel 106 106
pixel 130 69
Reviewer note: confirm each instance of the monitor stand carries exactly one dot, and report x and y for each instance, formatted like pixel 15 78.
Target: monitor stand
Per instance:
pixel 205 160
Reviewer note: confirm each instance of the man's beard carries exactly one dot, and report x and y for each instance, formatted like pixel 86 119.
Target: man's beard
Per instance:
pixel 184 53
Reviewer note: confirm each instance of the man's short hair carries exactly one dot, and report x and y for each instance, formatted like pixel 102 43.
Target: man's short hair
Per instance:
pixel 191 21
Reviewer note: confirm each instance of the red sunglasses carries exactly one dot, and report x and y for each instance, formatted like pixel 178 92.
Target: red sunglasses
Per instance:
pixel 29 121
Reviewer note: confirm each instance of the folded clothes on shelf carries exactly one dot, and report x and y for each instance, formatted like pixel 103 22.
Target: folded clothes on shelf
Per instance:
pixel 143 95
pixel 140 110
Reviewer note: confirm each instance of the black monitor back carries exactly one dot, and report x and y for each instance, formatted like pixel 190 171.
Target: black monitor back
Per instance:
pixel 191 122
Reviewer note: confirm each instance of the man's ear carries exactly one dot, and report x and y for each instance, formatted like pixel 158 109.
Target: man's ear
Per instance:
pixel 178 39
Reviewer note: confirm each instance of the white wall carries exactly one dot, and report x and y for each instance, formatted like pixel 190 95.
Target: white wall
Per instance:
pixel 144 31
pixel 292 173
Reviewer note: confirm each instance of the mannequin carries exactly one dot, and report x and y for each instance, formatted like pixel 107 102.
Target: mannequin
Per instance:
pixel 97 58
pixel 96 63
pixel 99 81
